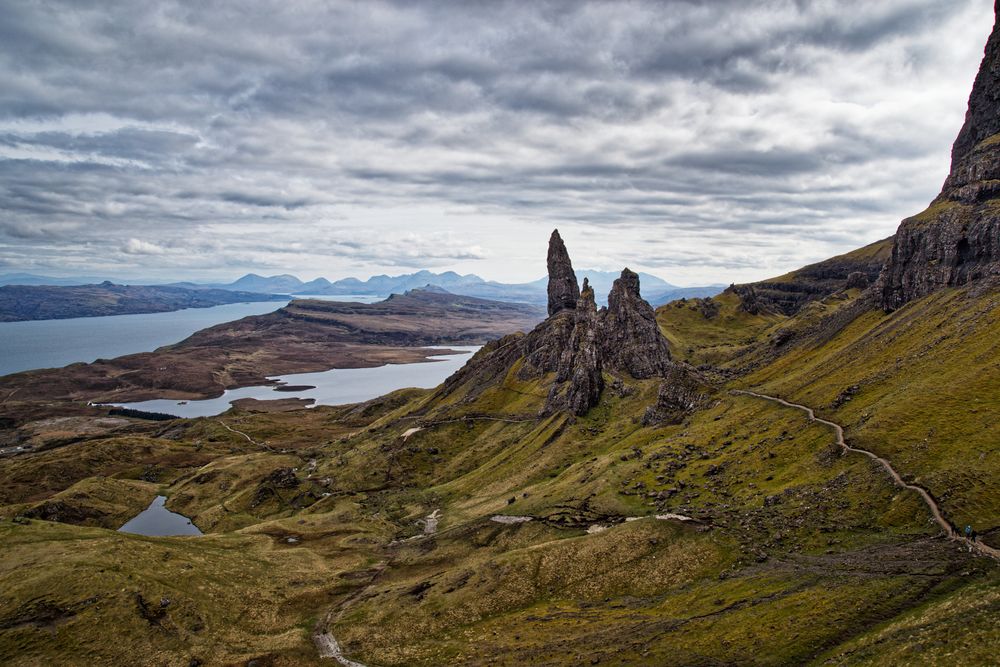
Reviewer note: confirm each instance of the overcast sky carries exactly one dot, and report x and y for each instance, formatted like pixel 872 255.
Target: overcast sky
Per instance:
pixel 704 141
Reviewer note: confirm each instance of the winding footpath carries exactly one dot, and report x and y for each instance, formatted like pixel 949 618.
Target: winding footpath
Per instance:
pixel 249 439
pixel 326 644
pixel 945 525
pixel 329 648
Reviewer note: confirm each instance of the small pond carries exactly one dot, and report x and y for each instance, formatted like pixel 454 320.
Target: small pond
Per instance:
pixel 334 387
pixel 157 521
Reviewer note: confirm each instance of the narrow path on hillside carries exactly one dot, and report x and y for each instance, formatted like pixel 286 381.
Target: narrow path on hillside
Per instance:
pixel 945 525
pixel 327 646
pixel 249 439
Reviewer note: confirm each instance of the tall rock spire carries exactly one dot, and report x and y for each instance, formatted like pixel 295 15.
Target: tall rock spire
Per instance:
pixel 563 288
pixel 577 346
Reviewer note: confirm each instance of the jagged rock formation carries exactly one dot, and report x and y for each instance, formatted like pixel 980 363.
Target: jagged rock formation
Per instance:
pixel 957 239
pixel 563 288
pixel 577 343
pixel 631 341
pixel 749 302
pixel 579 376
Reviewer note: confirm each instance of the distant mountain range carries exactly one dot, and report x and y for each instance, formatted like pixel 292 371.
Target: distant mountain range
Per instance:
pixel 34 279
pixel 655 290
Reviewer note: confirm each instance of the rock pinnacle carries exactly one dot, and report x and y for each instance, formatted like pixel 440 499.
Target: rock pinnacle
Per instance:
pixel 563 288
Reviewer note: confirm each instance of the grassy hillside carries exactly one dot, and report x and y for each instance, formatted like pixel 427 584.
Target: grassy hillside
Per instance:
pixel 793 554
pixel 740 535
pixel 712 331
pixel 920 387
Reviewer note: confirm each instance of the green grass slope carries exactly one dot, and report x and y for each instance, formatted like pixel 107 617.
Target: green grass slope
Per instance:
pixel 791 553
pixel 920 387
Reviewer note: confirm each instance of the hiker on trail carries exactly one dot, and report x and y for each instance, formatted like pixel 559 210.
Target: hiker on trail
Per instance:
pixel 968 532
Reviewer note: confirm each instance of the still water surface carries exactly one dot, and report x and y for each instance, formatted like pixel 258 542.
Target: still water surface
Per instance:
pixel 55 343
pixel 35 344
pixel 158 521
pixel 334 387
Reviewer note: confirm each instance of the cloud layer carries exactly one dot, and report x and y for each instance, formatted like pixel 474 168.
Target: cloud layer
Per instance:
pixel 704 141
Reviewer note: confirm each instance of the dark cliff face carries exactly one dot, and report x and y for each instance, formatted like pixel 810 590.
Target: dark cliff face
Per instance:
pixel 981 120
pixel 563 288
pixel 957 239
pixel 631 341
pixel 579 377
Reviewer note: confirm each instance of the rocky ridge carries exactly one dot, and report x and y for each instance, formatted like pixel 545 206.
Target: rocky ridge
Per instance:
pixel 787 294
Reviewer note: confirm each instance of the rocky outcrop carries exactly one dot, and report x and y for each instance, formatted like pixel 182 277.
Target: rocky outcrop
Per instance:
pixel 957 239
pixel 856 280
pixel 577 345
pixel 681 393
pixel 579 376
pixel 749 303
pixel 64 512
pixel 631 341
pixel 563 288
pixel 787 294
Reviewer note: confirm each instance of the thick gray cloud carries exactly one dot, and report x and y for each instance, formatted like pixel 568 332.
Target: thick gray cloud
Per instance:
pixel 706 141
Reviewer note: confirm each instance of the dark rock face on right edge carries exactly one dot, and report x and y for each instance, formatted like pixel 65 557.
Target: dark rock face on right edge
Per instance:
pixel 957 239
pixel 981 119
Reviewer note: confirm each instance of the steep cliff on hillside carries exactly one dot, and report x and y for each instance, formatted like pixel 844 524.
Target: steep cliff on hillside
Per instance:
pixel 957 239
pixel 981 119
pixel 788 293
